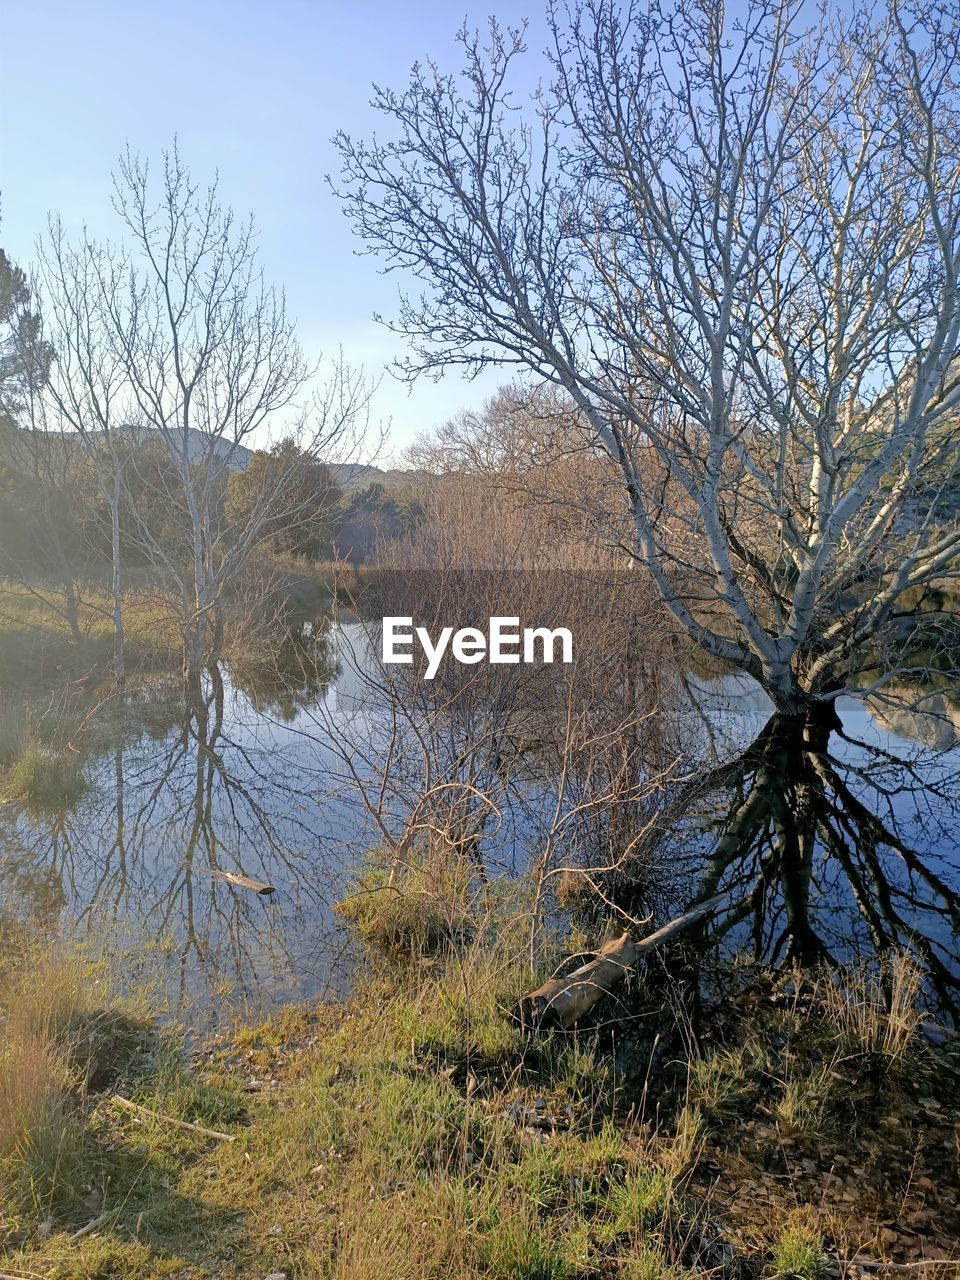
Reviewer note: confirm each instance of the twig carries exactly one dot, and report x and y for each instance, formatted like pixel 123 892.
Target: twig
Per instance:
pixel 94 1223
pixel 876 1264
pixel 179 1124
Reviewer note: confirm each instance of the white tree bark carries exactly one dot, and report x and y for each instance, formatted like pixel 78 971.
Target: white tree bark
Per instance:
pixel 736 250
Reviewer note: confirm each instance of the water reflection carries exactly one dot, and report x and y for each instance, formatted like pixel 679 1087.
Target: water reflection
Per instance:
pixel 281 681
pixel 831 837
pixel 184 791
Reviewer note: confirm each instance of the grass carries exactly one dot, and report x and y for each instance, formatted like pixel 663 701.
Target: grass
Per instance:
pixel 798 1251
pixel 16 730
pixel 720 1082
pixel 648 1263
pixel 42 1140
pixel 63 1032
pixel 414 904
pixel 801 1110
pixel 41 779
pixel 376 1148
pixel 832 1042
pixel 876 1012
pixel 413 1132
pixel 36 646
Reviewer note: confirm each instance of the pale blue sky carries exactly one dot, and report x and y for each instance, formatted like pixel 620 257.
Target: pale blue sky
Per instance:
pixel 255 90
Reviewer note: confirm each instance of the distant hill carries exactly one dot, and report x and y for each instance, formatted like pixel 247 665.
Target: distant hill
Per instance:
pixel 199 445
pixel 379 503
pixel 352 477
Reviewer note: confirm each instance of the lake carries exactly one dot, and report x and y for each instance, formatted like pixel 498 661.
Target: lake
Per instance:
pixel 837 839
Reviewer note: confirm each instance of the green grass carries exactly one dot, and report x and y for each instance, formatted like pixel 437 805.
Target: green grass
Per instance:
pixel 720 1083
pixel 413 903
pixel 41 779
pixel 798 1252
pixel 411 1132
pixel 373 1149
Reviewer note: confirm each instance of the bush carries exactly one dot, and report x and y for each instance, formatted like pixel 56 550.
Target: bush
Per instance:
pixel 42 779
pixel 414 905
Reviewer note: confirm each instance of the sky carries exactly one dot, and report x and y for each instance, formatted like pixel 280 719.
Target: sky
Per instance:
pixel 253 91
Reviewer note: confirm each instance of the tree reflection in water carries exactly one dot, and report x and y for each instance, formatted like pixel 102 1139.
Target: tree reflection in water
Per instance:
pixel 830 837
pixel 829 842
pixel 183 791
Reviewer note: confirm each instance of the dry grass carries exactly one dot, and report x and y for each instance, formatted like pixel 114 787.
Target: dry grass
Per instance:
pixel 16 727
pixel 46 991
pixel 876 1013
pixel 147 615
pixel 36 643
pixel 42 1135
pixel 62 1029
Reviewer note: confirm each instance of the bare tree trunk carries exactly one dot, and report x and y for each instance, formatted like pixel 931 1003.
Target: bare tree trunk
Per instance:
pixel 71 611
pixel 119 664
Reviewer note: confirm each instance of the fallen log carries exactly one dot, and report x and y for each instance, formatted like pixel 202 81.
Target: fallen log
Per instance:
pixel 566 1000
pixel 235 878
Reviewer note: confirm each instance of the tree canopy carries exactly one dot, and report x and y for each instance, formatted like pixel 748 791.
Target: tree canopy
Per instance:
pixel 734 246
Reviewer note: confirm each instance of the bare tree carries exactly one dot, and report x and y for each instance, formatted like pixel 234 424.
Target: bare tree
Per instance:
pixel 175 337
pixel 734 247
pixel 533 450
pixel 86 390
pixel 208 351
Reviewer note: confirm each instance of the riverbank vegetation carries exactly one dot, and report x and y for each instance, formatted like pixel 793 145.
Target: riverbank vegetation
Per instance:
pixel 801 1128
pixel 649 953
pixel 709 1114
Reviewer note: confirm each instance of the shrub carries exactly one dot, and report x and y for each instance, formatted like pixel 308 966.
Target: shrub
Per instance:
pixel 414 905
pixel 43 779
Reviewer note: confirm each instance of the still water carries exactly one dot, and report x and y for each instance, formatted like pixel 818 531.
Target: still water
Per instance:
pixel 829 840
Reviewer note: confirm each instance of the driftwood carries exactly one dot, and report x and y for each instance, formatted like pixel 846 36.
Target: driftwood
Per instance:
pixel 151 1114
pixel 235 878
pixel 566 1000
